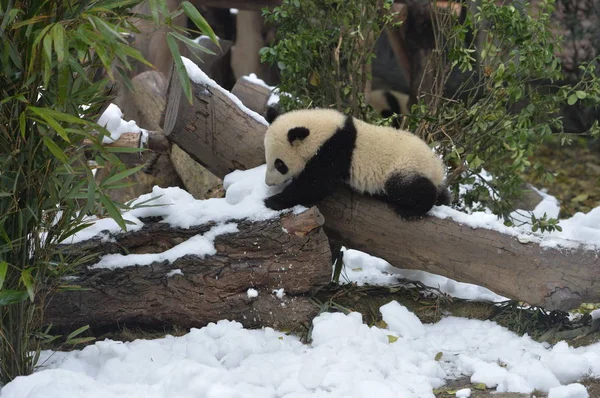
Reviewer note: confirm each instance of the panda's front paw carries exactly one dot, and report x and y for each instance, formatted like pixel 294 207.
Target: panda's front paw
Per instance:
pixel 274 204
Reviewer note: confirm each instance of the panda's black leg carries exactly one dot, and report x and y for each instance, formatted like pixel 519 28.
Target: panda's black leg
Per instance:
pixel 411 195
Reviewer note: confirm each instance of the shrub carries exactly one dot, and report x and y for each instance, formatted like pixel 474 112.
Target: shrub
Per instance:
pixel 49 102
pixel 323 50
pixel 507 106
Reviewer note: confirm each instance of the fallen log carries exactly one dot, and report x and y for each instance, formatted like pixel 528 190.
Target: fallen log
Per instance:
pixel 215 132
pixel 193 291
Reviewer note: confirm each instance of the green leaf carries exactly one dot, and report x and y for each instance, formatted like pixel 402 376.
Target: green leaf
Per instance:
pixel 8 297
pixel 58 34
pixel 64 117
pixel 199 21
pixel 122 175
pixel 572 99
pixel 480 386
pixel 3 271
pixel 438 356
pixel 81 340
pixel 56 151
pixel 392 339
pixel 44 114
pixel 113 211
pixel 77 332
pixel 26 279
pixel 581 94
pixel 181 71
pixel 47 43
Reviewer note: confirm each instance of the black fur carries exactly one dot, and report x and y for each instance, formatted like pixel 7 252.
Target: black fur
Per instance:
pixel 271 114
pixel 297 133
pixel 411 195
pixel 280 166
pixel 394 109
pixel 392 102
pixel 322 174
pixel 444 197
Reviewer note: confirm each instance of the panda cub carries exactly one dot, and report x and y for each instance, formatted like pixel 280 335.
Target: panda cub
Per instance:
pixel 316 150
pixel 388 103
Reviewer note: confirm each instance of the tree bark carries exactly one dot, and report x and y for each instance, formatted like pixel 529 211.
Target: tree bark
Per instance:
pixel 222 137
pixel 259 256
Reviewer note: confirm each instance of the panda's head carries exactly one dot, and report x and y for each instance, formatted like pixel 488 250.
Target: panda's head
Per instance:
pixel 293 138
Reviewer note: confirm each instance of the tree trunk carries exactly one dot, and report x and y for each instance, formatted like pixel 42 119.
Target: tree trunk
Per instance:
pixel 260 256
pixel 222 137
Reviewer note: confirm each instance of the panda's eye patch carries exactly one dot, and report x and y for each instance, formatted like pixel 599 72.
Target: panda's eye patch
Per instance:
pixel 281 166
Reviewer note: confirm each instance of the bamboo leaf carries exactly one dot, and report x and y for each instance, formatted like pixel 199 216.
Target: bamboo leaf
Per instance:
pixel 183 76
pixel 3 271
pixel 192 44
pixel 135 54
pixel 58 35
pixel 81 340
pixel 8 297
pixel 56 151
pixel 48 118
pixel 113 211
pixel 47 44
pixel 199 21
pixel 122 175
pixel 106 62
pixel 26 279
pixel 30 21
pixel 77 332
pixel 109 5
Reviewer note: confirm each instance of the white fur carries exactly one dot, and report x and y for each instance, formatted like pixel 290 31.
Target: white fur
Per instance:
pixel 322 124
pixel 379 152
pixel 377 100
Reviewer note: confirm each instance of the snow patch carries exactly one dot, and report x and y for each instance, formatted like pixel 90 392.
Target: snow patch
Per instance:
pixel 252 293
pixel 463 393
pixel 345 359
pixel 198 245
pixel 174 272
pixel 112 120
pixel 362 268
pixel 198 76
pixel 279 293
pixel 575 390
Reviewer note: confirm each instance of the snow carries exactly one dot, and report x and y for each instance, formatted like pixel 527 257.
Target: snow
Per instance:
pixel 401 321
pixel 199 77
pixel 575 390
pixel 274 97
pixel 362 268
pixel 112 120
pixel 463 393
pixel 279 293
pixel 345 359
pixel 245 192
pixel 199 245
pixel 580 231
pixel 252 293
pixel 174 272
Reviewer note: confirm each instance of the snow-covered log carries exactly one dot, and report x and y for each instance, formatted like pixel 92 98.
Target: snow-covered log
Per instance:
pixel 259 276
pixel 223 137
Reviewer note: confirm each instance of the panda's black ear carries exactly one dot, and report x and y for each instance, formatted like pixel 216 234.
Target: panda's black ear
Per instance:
pixel 297 133
pixel 271 114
